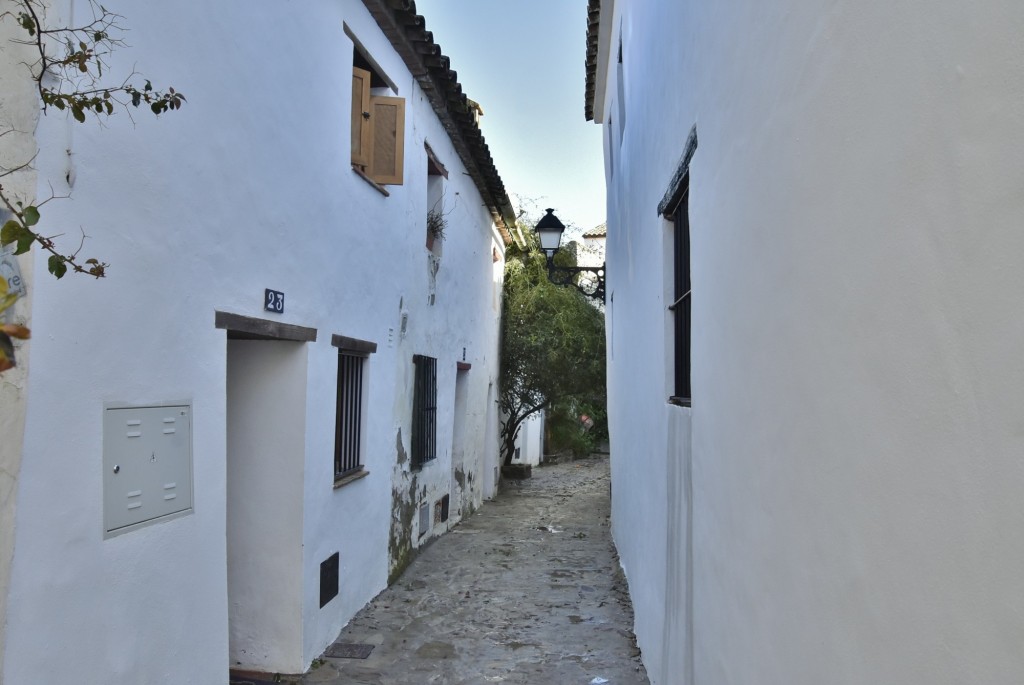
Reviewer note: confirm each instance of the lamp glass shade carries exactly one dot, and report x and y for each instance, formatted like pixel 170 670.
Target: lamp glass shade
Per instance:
pixel 549 230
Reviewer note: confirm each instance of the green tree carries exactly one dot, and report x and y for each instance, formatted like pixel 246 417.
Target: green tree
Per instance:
pixel 566 430
pixel 552 343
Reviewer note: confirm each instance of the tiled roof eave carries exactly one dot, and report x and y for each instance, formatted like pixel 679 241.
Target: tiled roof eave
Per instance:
pixel 407 32
pixel 593 26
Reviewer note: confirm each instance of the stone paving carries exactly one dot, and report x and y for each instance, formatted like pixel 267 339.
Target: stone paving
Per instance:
pixel 525 592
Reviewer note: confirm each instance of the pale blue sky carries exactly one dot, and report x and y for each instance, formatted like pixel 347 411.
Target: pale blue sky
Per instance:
pixel 523 61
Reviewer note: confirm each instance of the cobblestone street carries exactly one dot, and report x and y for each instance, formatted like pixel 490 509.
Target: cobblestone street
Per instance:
pixel 527 591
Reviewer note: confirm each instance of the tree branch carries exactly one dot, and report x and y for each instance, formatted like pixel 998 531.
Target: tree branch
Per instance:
pixel 77 70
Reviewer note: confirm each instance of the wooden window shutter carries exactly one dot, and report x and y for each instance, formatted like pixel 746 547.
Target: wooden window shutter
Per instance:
pixel 387 115
pixel 361 126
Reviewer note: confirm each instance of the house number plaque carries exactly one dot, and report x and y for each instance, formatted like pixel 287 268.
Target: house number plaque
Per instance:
pixel 273 301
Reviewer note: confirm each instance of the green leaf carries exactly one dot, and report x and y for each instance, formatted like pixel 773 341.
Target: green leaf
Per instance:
pixel 9 233
pixel 31 215
pixel 57 266
pixel 27 23
pixel 78 114
pixel 25 240
pixel 155 107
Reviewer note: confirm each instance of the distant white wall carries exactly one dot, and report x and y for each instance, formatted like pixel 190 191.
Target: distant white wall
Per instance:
pixel 591 252
pixel 855 436
pixel 530 442
pixel 491 477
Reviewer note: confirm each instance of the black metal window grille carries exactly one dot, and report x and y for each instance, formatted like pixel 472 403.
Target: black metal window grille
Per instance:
pixel 348 423
pixel 681 305
pixel 424 411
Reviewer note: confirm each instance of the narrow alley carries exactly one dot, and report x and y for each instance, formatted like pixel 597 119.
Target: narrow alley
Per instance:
pixel 527 591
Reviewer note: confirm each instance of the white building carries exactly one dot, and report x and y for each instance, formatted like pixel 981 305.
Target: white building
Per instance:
pixel 592 247
pixel 818 473
pixel 531 439
pixel 204 482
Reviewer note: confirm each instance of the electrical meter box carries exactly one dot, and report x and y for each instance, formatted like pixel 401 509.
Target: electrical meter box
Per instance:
pixel 147 465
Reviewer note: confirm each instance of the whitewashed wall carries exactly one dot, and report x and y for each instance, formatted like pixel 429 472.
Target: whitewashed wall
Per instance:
pixel 856 203
pixel 530 441
pixel 248 187
pixel 18 116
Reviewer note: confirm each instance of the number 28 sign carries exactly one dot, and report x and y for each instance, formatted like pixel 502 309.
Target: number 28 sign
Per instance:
pixel 273 301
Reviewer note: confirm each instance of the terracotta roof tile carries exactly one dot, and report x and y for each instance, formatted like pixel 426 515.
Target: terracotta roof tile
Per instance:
pixel 593 24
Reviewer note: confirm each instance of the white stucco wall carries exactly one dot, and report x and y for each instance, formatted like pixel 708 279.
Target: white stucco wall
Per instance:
pixel 530 441
pixel 248 187
pixel 591 252
pixel 855 215
pixel 18 114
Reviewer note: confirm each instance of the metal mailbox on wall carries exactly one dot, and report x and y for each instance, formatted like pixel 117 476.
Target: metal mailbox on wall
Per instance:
pixel 147 465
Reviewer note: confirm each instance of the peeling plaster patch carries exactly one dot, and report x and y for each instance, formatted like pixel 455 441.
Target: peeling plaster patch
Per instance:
pixel 459 495
pixel 403 456
pixel 464 492
pixel 469 498
pixel 403 512
pixel 400 549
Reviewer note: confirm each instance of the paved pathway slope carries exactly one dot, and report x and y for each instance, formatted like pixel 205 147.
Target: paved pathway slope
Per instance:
pixel 526 592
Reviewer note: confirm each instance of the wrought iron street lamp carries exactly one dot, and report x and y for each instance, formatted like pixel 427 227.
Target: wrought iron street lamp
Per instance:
pixel 549 230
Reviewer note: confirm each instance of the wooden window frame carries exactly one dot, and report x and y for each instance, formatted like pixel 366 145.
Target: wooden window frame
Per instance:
pixel 361 132
pixel 378 151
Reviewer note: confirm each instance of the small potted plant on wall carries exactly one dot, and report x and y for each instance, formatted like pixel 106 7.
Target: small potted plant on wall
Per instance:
pixel 436 225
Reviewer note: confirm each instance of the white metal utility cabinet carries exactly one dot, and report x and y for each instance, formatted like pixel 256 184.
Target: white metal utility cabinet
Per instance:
pixel 147 464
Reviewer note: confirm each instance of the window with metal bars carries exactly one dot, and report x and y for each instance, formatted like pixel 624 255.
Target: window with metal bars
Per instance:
pixel 349 419
pixel 424 411
pixel 675 207
pixel 681 305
